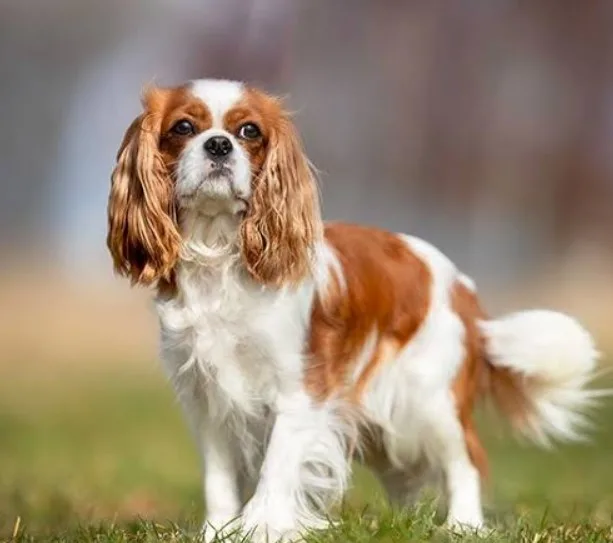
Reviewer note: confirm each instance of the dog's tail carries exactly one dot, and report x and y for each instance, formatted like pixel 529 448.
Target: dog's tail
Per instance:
pixel 540 363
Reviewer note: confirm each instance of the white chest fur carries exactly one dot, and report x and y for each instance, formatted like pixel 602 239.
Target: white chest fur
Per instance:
pixel 239 343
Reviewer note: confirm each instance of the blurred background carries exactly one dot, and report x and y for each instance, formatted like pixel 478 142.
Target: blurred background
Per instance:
pixel 485 127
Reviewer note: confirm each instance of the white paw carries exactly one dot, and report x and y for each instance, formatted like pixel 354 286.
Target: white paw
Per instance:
pixel 468 526
pixel 272 522
pixel 217 530
pixel 265 533
pixel 264 529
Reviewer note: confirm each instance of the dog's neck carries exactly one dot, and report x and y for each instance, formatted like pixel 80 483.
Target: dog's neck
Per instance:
pixel 210 245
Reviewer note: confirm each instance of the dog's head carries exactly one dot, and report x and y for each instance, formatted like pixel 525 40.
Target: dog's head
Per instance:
pixel 209 148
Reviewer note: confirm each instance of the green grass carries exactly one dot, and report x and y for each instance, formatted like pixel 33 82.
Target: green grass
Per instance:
pixel 112 461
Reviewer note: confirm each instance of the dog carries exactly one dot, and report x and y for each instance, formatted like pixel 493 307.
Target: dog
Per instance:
pixel 295 346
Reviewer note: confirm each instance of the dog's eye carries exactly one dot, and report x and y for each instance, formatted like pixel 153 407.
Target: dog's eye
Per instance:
pixel 249 131
pixel 183 128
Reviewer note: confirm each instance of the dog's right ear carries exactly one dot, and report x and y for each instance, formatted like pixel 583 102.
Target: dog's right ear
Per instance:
pixel 143 235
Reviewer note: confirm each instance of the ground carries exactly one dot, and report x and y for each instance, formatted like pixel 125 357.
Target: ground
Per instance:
pixel 108 458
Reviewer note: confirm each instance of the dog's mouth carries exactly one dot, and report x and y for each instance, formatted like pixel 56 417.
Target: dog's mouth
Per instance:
pixel 220 172
pixel 215 192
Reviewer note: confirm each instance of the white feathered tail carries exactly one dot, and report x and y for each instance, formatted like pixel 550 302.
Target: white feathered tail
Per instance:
pixel 540 363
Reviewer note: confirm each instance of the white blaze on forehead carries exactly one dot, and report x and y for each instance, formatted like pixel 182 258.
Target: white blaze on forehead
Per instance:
pixel 219 95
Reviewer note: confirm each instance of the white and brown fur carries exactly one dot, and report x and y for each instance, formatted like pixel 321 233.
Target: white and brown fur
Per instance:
pixel 293 344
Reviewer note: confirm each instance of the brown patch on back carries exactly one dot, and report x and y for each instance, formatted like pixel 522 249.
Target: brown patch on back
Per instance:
pixel 387 291
pixel 469 382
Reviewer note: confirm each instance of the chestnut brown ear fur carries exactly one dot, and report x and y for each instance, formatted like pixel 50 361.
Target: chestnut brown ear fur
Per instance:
pixel 143 237
pixel 283 221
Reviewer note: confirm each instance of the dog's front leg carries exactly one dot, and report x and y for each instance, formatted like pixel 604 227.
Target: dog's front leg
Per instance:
pixel 218 451
pixel 305 467
pixel 221 490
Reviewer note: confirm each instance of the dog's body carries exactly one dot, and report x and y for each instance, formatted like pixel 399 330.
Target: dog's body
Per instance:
pixel 292 346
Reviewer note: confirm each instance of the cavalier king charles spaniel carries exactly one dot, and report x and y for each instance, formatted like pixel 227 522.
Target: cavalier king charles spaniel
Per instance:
pixel 296 346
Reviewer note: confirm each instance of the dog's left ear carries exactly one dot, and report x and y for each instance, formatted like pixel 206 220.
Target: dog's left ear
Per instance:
pixel 143 237
pixel 283 222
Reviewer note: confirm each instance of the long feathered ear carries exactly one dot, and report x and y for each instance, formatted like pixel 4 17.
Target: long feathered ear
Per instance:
pixel 143 237
pixel 283 221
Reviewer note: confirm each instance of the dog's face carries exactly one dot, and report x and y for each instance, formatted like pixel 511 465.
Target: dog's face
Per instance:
pixel 214 138
pixel 208 148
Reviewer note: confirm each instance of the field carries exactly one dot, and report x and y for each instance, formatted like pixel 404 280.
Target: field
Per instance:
pixel 108 458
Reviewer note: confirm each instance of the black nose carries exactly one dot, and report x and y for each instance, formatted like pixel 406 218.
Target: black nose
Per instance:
pixel 217 147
